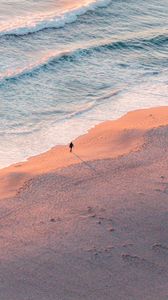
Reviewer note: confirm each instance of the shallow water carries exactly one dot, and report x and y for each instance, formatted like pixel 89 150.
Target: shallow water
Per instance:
pixel 67 66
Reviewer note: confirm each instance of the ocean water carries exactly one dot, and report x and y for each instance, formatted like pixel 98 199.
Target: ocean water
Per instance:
pixel 68 65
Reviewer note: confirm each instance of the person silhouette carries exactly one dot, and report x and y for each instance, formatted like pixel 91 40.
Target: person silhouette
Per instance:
pixel 71 145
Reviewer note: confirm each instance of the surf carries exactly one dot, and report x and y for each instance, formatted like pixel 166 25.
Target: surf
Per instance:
pixel 131 43
pixel 35 23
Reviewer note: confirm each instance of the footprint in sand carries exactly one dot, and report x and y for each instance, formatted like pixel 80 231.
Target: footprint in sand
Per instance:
pixel 93 212
pixel 133 260
pixel 98 214
pixel 160 248
pixel 164 188
pixel 100 251
pixel 106 222
pixel 53 220
pixel 140 263
pixel 158 190
pixel 128 245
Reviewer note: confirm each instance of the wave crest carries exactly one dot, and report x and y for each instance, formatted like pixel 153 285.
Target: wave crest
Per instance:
pixel 41 22
pixel 77 52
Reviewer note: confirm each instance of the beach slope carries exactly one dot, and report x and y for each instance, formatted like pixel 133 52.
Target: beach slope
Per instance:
pixel 90 224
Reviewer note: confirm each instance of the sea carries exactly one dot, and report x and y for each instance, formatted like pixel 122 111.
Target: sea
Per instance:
pixel 66 66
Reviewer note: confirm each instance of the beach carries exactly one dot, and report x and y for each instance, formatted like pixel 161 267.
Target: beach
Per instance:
pixel 91 224
pixel 67 66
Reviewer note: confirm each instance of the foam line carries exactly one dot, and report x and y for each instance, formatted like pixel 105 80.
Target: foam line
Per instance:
pixel 53 56
pixel 36 23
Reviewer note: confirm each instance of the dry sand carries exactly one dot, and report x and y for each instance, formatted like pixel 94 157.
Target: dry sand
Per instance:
pixel 96 230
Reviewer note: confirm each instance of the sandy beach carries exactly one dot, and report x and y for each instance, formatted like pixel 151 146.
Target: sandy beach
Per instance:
pixel 91 224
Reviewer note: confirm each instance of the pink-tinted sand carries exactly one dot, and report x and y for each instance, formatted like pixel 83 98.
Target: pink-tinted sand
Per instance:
pixel 92 224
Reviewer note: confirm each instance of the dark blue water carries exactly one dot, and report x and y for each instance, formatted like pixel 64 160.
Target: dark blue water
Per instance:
pixel 65 67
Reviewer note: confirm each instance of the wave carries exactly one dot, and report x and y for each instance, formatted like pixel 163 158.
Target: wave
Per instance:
pixel 90 105
pixel 78 51
pixel 82 109
pixel 62 115
pixel 53 56
pixel 51 20
pixel 31 67
pixel 20 130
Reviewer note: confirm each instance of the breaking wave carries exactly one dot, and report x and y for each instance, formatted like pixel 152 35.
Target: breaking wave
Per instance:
pixel 77 51
pixel 40 22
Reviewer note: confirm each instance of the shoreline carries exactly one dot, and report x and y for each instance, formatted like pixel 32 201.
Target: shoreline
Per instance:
pixel 109 139
pixel 92 225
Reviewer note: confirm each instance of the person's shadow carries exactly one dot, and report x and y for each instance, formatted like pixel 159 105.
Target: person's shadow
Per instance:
pixel 86 163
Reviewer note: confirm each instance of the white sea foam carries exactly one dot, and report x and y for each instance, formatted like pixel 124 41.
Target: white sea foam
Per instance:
pixel 35 23
pixel 108 65
pixel 32 66
pixel 48 57
pixel 45 58
pixel 75 124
